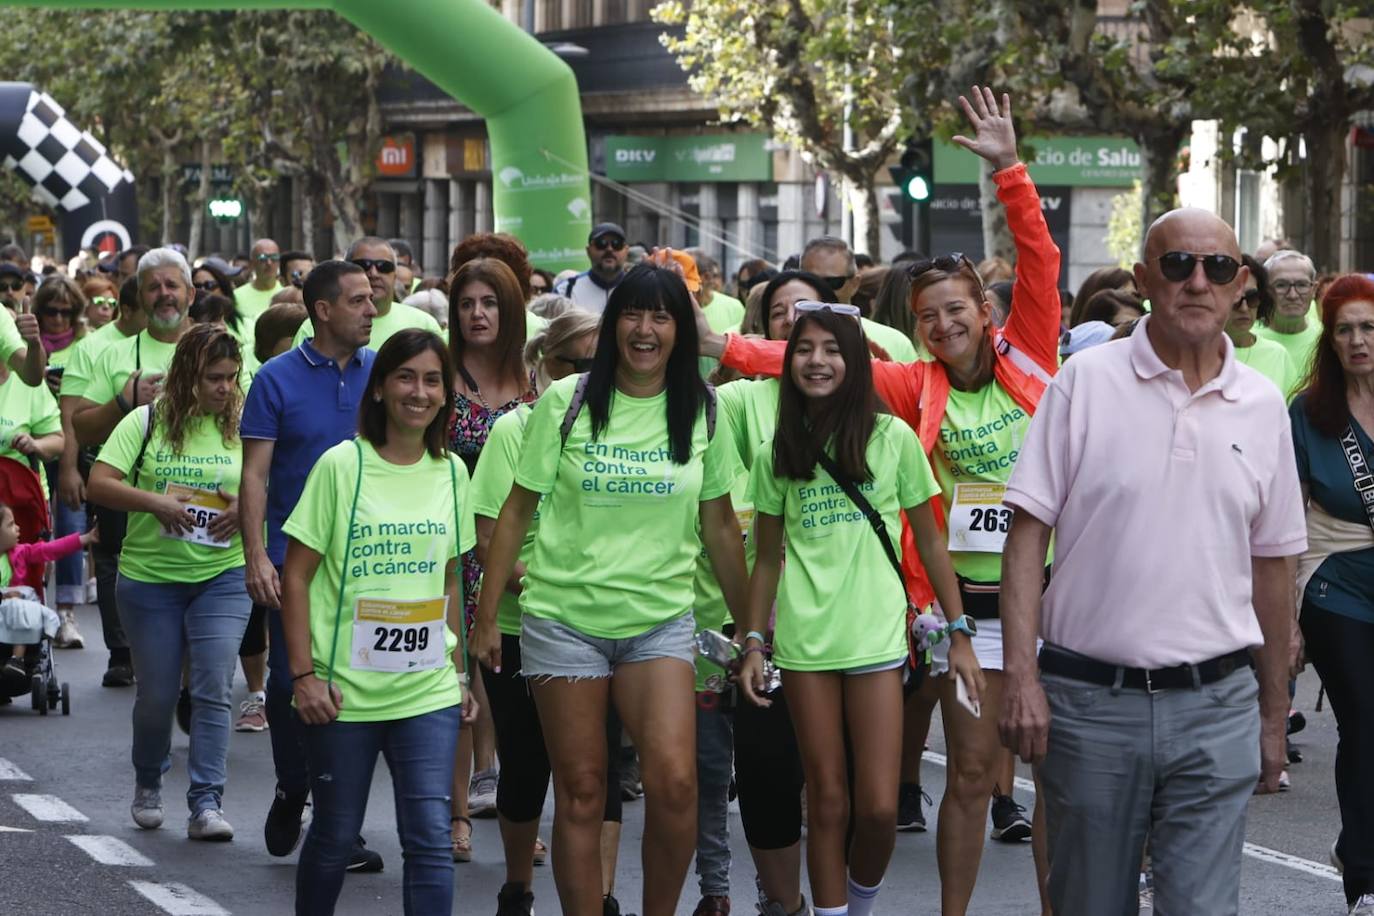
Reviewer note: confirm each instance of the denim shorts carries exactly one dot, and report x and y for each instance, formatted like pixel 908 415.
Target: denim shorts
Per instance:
pixel 551 649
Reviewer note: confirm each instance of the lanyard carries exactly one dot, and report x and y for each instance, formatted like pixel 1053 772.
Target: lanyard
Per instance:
pixel 1359 470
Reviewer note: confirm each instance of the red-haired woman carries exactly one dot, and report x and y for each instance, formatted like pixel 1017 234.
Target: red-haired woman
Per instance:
pixel 1333 419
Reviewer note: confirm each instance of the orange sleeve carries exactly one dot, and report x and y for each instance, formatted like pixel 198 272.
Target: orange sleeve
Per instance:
pixel 752 356
pixel 898 384
pixel 1033 326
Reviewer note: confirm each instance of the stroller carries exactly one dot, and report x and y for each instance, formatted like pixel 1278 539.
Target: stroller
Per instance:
pixel 21 491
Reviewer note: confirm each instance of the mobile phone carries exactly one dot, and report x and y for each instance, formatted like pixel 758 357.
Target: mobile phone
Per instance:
pixel 974 708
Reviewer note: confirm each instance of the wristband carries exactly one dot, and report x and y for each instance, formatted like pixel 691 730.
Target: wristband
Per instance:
pixel 123 404
pixel 755 634
pixel 758 649
pixel 463 678
pixel 297 677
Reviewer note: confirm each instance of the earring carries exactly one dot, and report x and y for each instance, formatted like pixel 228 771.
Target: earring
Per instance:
pixel 376 399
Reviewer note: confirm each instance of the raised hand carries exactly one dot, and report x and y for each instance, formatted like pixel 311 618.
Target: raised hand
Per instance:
pixel 994 136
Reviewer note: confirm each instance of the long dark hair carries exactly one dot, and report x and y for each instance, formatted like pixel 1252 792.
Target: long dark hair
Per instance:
pixel 758 323
pixel 1324 389
pixel 846 418
pixel 1265 310
pixel 230 317
pixel 401 348
pixel 647 287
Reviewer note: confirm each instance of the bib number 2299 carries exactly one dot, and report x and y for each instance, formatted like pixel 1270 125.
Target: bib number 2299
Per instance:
pixel 398 635
pixel 401 639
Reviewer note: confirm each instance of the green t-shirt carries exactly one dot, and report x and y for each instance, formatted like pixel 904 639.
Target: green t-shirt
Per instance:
pixel 533 325
pixel 1300 346
pixel 76 374
pixel 10 341
pixel 205 463
pixel 62 357
pixel 399 317
pixel 723 314
pixel 897 344
pixel 841 604
pixel 26 409
pixel 410 521
pixel 491 483
pixel 118 361
pixel 1270 360
pixel 980 437
pixel 617 540
pixel 252 302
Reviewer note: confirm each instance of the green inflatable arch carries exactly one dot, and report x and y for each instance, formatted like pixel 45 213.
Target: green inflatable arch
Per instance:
pixel 527 95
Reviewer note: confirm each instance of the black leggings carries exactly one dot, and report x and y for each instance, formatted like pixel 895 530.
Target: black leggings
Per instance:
pixel 254 640
pixel 1341 649
pixel 768 773
pixel 523 782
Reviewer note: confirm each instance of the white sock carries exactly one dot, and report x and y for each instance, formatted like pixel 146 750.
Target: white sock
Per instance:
pixel 258 695
pixel 861 899
pixel 831 911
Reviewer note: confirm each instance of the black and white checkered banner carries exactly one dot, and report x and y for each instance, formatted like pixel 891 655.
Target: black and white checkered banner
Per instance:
pixel 69 169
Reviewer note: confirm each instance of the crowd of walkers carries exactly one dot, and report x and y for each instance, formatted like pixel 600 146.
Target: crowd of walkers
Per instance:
pixel 622 528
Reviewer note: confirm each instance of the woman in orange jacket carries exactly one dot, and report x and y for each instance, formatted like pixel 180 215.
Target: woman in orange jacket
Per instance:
pixel 970 408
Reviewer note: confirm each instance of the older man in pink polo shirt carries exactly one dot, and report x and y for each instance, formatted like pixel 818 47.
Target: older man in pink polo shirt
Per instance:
pixel 1165 469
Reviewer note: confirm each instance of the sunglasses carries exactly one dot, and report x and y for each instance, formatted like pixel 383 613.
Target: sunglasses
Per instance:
pixel 1284 287
pixel 579 363
pixel 603 244
pixel 381 266
pixel 1250 297
pixel 1177 266
pixel 266 258
pixel 839 308
pixel 209 286
pixel 48 311
pixel 946 263
pixel 104 300
pixel 837 283
pixel 12 286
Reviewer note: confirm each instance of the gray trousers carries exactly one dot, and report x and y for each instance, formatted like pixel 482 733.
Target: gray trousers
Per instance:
pixel 715 763
pixel 1177 766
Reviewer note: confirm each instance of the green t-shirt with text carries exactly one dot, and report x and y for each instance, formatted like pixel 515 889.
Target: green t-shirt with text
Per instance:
pixel 1300 346
pixel 204 463
pixel 617 541
pixel 76 374
pixel 10 341
pixel 31 410
pixel 399 317
pixel 491 483
pixel 841 604
pixel 1271 360
pixel 410 522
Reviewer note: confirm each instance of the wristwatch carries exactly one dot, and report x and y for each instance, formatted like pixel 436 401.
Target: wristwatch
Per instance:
pixel 965 623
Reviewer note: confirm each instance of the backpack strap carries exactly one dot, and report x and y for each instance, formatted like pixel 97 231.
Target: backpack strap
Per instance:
pixel 143 449
pixel 710 411
pixel 580 397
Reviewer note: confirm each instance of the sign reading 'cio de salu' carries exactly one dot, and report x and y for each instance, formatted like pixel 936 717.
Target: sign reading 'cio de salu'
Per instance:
pixel 1071 161
pixel 708 157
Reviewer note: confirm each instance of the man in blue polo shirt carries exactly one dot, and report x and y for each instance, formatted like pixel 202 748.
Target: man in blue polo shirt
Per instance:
pixel 300 404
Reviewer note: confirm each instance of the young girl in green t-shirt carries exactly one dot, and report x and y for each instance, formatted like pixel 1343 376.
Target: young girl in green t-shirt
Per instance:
pixel 841 635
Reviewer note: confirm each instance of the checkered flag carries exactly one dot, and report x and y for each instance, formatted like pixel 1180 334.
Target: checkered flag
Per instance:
pixel 68 167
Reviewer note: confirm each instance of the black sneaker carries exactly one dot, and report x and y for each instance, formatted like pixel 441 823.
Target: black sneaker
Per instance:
pixel 285 823
pixel 364 860
pixel 611 906
pixel 118 675
pixel 910 817
pixel 1009 823
pixel 184 711
pixel 514 900
pixel 13 677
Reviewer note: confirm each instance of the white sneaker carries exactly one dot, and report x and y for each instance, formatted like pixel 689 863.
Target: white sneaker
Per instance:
pixel 1363 907
pixel 482 794
pixel 147 808
pixel 209 824
pixel 68 637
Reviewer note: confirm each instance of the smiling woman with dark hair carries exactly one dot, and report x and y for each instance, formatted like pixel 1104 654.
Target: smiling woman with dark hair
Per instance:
pixel 630 471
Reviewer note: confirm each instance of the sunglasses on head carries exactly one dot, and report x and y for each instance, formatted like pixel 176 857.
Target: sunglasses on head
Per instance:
pixel 946 263
pixel 50 312
pixel 614 244
pixel 265 258
pixel 382 266
pixel 1250 297
pixel 839 308
pixel 104 300
pixel 579 363
pixel 1177 266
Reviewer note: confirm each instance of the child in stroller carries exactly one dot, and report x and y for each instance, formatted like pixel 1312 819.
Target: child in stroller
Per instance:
pixel 26 624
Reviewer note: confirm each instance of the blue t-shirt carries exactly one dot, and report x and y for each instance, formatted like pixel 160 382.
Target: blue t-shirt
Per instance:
pixel 1344 583
pixel 303 402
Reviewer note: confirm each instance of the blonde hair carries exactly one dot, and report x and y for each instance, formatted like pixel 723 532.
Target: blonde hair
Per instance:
pixel 755 321
pixel 557 335
pixel 199 348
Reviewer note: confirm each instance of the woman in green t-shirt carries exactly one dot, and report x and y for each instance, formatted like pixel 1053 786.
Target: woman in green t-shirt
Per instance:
pixel 629 467
pixel 174 466
pixel 373 617
pixel 1255 307
pixel 841 632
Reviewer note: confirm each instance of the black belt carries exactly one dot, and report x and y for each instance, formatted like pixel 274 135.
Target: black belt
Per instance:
pixel 1064 663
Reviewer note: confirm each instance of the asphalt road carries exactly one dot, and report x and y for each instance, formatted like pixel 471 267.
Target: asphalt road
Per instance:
pixel 68 846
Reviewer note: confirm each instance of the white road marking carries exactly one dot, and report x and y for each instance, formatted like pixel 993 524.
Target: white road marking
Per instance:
pixel 108 850
pixel 4 829
pixel 9 771
pixel 1262 853
pixel 48 808
pixel 178 899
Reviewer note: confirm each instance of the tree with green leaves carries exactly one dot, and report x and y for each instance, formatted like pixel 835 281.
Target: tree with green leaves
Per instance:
pixel 822 76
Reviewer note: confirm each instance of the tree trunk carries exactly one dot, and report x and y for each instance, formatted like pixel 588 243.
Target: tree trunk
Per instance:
pixel 1159 175
pixel 863 205
pixel 170 185
pixel 201 201
pixel 1326 163
pixel 309 209
pixel 997 240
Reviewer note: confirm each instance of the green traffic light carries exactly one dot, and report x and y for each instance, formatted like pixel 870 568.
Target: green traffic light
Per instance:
pixel 917 188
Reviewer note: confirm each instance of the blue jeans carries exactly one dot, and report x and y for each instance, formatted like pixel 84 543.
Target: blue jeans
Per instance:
pixel 419 751
pixel 715 753
pixel 166 622
pixel 288 751
pixel 71 579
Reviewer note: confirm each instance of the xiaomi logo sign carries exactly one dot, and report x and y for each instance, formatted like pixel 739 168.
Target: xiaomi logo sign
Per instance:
pixel 396 158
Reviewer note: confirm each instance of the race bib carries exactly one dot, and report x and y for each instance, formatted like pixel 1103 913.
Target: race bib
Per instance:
pixel 978 522
pixel 204 506
pixel 391 635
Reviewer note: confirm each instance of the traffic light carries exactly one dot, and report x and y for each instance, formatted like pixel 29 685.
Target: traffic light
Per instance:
pixel 226 209
pixel 913 173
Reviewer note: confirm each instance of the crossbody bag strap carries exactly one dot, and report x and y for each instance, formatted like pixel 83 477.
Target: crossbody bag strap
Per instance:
pixel 1359 470
pixel 863 505
pixel 579 397
pixel 343 569
pixel 458 568
pixel 143 448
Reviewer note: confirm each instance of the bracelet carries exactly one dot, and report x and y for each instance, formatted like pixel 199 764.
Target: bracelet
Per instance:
pixel 463 678
pixel 122 403
pixel 758 649
pixel 755 634
pixel 297 677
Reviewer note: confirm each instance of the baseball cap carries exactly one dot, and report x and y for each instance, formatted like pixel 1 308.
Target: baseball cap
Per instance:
pixel 601 229
pixel 13 270
pixel 222 266
pixel 1088 334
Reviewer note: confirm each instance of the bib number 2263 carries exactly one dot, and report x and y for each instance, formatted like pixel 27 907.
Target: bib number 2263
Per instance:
pixel 978 521
pixel 393 635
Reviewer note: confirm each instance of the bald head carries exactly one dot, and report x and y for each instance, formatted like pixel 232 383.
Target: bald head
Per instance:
pixel 264 262
pixel 1191 303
